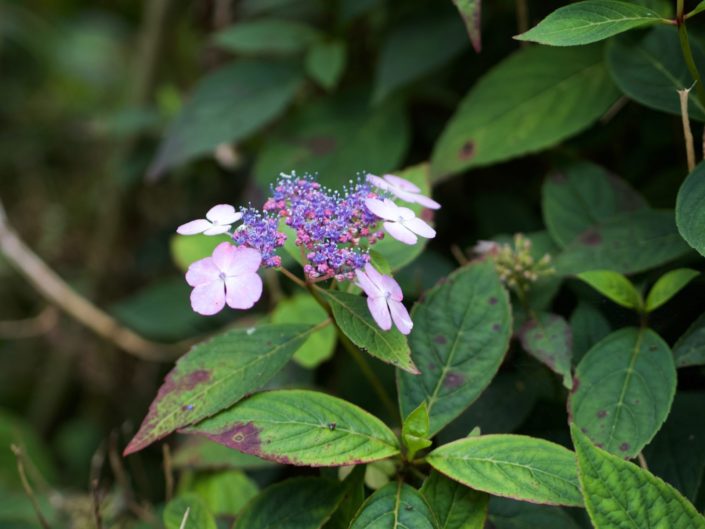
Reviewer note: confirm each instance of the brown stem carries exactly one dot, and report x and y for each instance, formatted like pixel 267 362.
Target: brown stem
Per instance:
pixel 687 133
pixel 27 487
pixel 37 325
pixel 642 461
pixel 95 493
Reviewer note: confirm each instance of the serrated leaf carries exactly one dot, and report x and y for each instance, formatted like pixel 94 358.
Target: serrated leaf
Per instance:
pixel 623 390
pixel 215 374
pixel 299 427
pixel 299 503
pixel 650 70
pixel 668 285
pixel 589 327
pixel 689 350
pixel 471 11
pixel 614 286
pixel 227 106
pixel 461 333
pixel 415 431
pixel 455 506
pixel 199 517
pixel 690 215
pixel 267 35
pixel 620 494
pixel 581 194
pixel 395 506
pixel 353 317
pixel 549 339
pixel 532 100
pixel 589 21
pixel 514 466
pixel 512 514
pixel 325 63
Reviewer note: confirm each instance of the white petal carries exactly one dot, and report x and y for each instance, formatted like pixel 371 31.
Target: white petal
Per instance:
pixel 405 213
pixel 380 312
pixel 244 291
pixel 376 277
pixel 401 183
pixel 400 233
pixel 401 317
pixel 216 229
pixel 420 227
pixel 393 288
pixel 202 271
pixel 377 181
pixel 223 214
pixel 427 202
pixel 209 298
pixel 384 209
pixel 366 284
pixel 235 261
pixel 193 227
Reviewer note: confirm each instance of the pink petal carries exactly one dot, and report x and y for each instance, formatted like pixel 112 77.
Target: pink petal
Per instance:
pixel 401 317
pixel 209 298
pixel 223 256
pixel 393 288
pixel 216 229
pixel 377 181
pixel 193 227
pixel 427 202
pixel 384 209
pixel 376 277
pixel 366 284
pixel 405 213
pixel 380 312
pixel 223 214
pixel 401 183
pixel 400 233
pixel 236 260
pixel 201 272
pixel 244 291
pixel 420 227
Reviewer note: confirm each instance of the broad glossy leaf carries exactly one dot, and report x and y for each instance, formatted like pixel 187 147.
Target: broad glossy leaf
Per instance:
pixel 395 506
pixel 224 493
pixel 267 35
pixel 549 339
pixel 303 308
pixel 299 427
pixel 614 286
pixel 621 494
pixel 623 390
pixel 589 327
pixel 689 350
pixel 512 514
pixel 627 243
pixel 471 11
pixel 455 506
pixel 668 285
pixel 325 63
pixel 533 99
pixel 581 194
pixel 353 317
pixel 514 466
pixel 215 374
pixel 299 503
pixel 199 517
pixel 650 69
pixel 227 106
pixel 415 431
pixel 589 21
pixel 461 332
pixel 690 214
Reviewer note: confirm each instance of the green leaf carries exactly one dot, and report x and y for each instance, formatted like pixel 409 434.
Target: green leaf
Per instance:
pixel 549 339
pixel 303 308
pixel 461 333
pixel 614 286
pixel 199 453
pixel 227 106
pixel 216 374
pixel 689 350
pixel 589 21
pixel 353 317
pixel 299 427
pixel 513 466
pixel 354 486
pixel 395 506
pixel 15 430
pixel 199 517
pixel 411 51
pixel 623 390
pixel 325 63
pixel 511 514
pixel 455 506
pixel 415 431
pixel 690 215
pixel 471 11
pixel 581 194
pixel 336 137
pixel 589 327
pixel 299 503
pixel 650 70
pixel 620 494
pixel 532 100
pixel 698 9
pixel 668 285
pixel 267 36
pixel 627 243
pixel 187 249
pixel 224 493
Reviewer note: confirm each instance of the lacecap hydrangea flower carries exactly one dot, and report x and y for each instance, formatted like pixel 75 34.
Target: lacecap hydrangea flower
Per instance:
pixel 333 229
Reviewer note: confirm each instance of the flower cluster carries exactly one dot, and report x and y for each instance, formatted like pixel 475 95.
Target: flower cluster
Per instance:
pixel 334 231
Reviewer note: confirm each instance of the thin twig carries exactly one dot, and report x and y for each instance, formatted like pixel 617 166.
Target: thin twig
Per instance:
pixel 168 472
pixel 185 518
pixel 687 133
pixel 27 487
pixel 459 255
pixel 37 325
pixel 291 276
pixel 95 493
pixel 642 461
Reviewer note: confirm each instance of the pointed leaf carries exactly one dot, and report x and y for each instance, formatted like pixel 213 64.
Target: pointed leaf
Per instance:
pixel 690 215
pixel 455 506
pixel 549 339
pixel 461 333
pixel 215 374
pixel 615 286
pixel 689 350
pixel 668 285
pixel 471 11
pixel 620 494
pixel 395 506
pixel 325 63
pixel 623 390
pixel 415 431
pixel 299 427
pixel 513 466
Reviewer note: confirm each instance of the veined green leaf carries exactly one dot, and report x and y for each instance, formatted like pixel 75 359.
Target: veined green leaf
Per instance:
pixel 589 327
pixel 689 350
pixel 415 431
pixel 455 506
pixel 668 285
pixel 224 493
pixel 395 506
pixel 690 215
pixel 354 496
pixel 199 453
pixel 614 286
pixel 512 514
pixel 549 339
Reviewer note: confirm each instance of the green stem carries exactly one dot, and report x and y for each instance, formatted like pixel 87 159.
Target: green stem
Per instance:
pixel 688 54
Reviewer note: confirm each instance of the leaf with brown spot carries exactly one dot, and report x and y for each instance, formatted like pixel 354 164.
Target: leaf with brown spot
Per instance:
pixel 549 339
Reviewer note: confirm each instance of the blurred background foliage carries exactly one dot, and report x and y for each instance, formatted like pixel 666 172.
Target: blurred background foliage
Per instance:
pixel 122 119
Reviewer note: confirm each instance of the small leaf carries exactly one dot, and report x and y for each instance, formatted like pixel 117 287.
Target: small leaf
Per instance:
pixel 299 503
pixel 689 350
pixel 690 215
pixel 614 286
pixel 353 317
pixel 455 506
pixel 698 9
pixel 325 63
pixel 215 374
pixel 415 431
pixel 471 11
pixel 549 339
pixel 461 333
pixel 589 21
pixel 589 327
pixel 620 494
pixel 267 35
pixel 199 517
pixel 668 285
pixel 623 390
pixel 513 466
pixel 395 506
pixel 299 427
